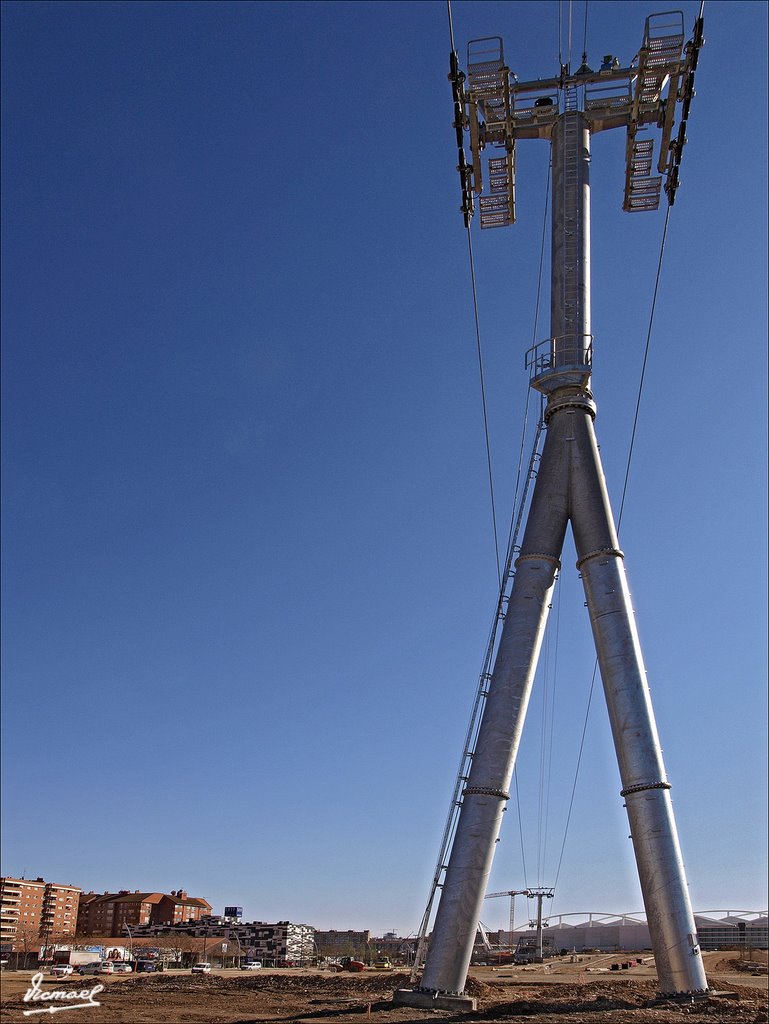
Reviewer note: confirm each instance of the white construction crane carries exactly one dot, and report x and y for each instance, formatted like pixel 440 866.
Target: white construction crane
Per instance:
pixel 512 893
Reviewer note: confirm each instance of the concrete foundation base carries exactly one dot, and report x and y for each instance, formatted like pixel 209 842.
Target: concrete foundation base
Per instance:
pixel 691 997
pixel 433 1000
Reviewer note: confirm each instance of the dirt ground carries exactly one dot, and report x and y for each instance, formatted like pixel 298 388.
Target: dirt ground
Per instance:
pixel 563 992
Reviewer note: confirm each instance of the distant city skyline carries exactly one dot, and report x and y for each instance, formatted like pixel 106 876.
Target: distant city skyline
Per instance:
pixel 249 918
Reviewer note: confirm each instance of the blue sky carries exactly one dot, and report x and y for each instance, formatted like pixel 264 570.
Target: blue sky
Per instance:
pixel 248 562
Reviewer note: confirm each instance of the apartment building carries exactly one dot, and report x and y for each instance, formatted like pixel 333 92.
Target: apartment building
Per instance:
pixel 349 943
pixel 282 944
pixel 115 913
pixel 33 909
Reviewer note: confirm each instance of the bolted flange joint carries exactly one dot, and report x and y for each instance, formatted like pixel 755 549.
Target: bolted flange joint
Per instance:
pixel 485 791
pixel 569 398
pixel 643 788
pixel 600 552
pixel 538 556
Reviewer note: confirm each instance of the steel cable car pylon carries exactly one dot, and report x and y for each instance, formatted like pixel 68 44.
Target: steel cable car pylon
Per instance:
pixel 570 487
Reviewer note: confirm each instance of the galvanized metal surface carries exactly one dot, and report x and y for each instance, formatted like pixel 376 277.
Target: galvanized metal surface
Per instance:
pixel 570 486
pixel 570 235
pixel 639 755
pixel 484 801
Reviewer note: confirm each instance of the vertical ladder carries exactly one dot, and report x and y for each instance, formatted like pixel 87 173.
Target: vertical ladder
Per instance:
pixel 565 351
pixel 474 724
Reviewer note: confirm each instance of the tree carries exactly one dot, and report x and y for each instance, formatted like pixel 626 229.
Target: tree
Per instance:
pixel 177 945
pixel 63 936
pixel 26 940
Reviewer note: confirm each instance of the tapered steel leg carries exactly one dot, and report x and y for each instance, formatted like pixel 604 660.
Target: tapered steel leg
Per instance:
pixel 486 792
pixel 644 783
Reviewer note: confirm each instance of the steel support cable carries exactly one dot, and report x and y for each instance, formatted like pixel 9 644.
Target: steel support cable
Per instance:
pixel 549 672
pixel 480 358
pixel 519 468
pixel 474 723
pixel 542 744
pixel 475 718
pixel 643 368
pixel 523 851
pixel 560 34
pixel 483 403
pixel 456 799
pixel 533 342
pixel 570 23
pixel 584 35
pixel 584 53
pixel 576 773
pixel 473 727
pixel 622 506
pixel 549 773
pixel 517 511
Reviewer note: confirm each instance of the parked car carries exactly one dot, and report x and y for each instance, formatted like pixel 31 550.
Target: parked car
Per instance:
pixel 251 965
pixel 144 966
pixel 122 968
pixel 101 967
pixel 94 968
pixel 60 970
pixel 201 969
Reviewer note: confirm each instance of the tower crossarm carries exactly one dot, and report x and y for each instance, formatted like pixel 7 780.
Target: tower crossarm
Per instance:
pixel 497 110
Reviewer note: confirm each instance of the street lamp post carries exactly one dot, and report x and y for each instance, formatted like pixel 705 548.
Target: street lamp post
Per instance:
pixel 130 941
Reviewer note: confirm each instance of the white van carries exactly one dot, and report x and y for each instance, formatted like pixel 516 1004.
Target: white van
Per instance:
pixel 101 967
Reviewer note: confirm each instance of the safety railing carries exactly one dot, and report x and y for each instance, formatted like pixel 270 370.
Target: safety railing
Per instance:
pixel 556 362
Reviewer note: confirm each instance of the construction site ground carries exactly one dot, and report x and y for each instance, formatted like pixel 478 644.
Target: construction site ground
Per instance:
pixel 565 991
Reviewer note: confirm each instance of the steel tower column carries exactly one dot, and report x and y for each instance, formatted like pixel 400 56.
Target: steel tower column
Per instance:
pixel 498 110
pixel 570 241
pixel 639 755
pixel 570 486
pixel 486 792
pixel 644 783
